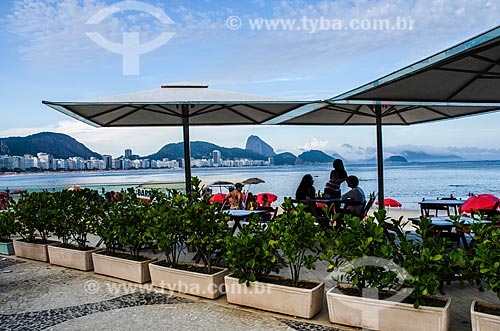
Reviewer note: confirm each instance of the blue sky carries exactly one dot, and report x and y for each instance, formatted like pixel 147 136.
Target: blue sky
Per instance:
pixel 47 55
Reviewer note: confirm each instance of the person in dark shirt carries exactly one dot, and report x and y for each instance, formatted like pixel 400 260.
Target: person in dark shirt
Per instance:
pixel 306 190
pixel 337 176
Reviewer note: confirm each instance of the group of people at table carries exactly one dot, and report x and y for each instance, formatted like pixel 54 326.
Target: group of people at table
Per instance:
pixel 307 194
pixel 237 201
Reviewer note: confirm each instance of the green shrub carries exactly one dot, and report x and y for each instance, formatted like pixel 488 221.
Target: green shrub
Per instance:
pixel 36 213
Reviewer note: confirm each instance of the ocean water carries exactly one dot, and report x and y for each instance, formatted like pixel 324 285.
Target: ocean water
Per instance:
pixel 408 183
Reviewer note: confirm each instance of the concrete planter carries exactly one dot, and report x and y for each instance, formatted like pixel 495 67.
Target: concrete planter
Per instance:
pixel 385 315
pixel 6 247
pixel 190 282
pixel 71 258
pixel 134 271
pixel 32 251
pixel 287 300
pixel 483 321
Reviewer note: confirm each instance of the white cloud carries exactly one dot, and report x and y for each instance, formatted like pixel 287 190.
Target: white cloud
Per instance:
pixel 54 32
pixel 315 143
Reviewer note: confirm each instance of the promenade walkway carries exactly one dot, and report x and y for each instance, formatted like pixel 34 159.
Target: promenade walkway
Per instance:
pixel 40 296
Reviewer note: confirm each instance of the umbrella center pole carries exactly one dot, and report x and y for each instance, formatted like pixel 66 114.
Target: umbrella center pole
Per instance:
pixel 187 151
pixel 380 157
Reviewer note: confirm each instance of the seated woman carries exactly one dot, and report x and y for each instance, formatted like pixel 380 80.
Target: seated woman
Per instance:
pixel 251 203
pixel 265 201
pixel 306 190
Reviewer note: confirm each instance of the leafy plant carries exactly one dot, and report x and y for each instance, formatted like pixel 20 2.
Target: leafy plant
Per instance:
pixel 206 225
pixel 359 239
pixel 79 212
pixel 251 253
pixel 430 262
pixel 36 213
pixel 297 237
pixel 8 226
pixel 167 227
pixel 483 260
pixel 124 225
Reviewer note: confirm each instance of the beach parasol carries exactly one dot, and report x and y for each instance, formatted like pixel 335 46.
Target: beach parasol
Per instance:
pixel 270 197
pixel 16 192
pixel 390 203
pixel 253 180
pixel 218 197
pixel 4 195
pixel 178 104
pixel 480 202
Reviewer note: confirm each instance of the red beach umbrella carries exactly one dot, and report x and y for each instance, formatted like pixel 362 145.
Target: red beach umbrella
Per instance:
pixel 480 202
pixel 4 194
pixel 270 197
pixel 390 202
pixel 218 197
pixel 17 192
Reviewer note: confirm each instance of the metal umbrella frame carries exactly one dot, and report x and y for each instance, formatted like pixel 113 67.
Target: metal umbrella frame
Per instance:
pixel 460 81
pixel 179 104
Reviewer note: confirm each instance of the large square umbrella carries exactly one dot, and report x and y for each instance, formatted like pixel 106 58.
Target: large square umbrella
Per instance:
pixel 181 104
pixel 459 81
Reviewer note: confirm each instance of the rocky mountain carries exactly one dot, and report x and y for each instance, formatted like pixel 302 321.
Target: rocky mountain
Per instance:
pixel 396 159
pixel 286 158
pixel 257 145
pixel 314 157
pixel 203 150
pixel 61 146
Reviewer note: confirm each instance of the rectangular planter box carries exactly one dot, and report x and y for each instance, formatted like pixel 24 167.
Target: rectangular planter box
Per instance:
pixel 72 258
pixel 482 321
pixel 287 300
pixel 32 251
pixel 134 271
pixel 184 281
pixel 6 247
pixel 385 315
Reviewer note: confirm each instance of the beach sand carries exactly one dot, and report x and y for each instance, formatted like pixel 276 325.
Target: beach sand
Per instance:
pixel 396 213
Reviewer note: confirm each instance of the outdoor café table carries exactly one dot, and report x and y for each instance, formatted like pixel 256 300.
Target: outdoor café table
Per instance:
pixel 439 204
pixel 237 215
pixel 445 224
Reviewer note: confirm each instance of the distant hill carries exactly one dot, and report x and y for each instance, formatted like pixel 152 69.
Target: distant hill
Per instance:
pixel 313 157
pixel 424 157
pixel 61 146
pixel 201 149
pixel 286 158
pixel 257 145
pixel 396 158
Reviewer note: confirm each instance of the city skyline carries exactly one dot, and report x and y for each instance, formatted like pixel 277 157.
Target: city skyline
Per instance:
pixel 62 63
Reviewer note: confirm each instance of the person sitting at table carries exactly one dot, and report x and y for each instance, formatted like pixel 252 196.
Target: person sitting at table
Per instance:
pixel 306 190
pixel 236 197
pixel 251 203
pixel 265 201
pixel 355 195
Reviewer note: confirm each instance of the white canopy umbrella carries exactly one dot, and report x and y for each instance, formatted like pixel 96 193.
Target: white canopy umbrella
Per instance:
pixel 181 104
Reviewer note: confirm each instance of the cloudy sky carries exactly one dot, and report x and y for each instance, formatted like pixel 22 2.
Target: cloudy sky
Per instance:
pixel 308 50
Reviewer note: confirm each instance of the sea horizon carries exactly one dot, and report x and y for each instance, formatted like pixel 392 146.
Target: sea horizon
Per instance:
pixel 408 183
